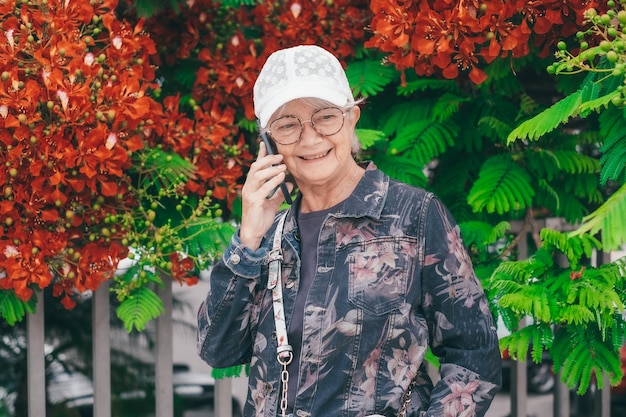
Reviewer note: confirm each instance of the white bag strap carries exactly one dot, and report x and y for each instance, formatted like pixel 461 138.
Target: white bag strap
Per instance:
pixel 274 283
pixel 284 350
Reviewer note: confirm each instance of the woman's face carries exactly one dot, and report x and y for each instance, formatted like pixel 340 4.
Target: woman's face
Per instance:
pixel 317 160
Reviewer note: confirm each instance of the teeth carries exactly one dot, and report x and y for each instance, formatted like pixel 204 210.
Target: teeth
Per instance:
pixel 308 158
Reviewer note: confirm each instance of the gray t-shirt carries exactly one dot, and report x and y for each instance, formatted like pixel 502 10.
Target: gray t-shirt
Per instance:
pixel 309 225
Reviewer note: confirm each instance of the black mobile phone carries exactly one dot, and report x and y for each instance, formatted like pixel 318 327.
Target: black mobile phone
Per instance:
pixel 271 150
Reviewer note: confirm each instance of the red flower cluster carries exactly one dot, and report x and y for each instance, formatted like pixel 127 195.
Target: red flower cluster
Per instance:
pixel 459 38
pixel 232 44
pixel 75 105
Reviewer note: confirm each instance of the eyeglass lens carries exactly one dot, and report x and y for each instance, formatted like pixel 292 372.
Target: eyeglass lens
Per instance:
pixel 287 130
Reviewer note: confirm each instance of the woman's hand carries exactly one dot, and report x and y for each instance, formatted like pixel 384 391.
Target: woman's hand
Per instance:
pixel 258 211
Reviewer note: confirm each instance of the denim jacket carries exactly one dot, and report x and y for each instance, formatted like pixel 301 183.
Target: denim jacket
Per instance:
pixel 393 278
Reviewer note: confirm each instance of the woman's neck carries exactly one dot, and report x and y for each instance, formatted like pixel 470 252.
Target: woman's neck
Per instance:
pixel 323 197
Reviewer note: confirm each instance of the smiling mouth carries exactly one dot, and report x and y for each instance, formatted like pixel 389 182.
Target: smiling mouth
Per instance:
pixel 318 156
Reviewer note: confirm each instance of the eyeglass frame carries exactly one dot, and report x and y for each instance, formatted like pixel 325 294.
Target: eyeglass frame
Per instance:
pixel 344 113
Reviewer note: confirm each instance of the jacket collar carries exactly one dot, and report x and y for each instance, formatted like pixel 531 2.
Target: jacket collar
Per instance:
pixel 367 199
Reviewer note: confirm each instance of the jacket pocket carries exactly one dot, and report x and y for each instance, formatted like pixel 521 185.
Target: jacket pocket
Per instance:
pixel 378 274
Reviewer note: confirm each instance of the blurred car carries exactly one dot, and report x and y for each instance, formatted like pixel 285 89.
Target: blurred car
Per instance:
pixel 192 390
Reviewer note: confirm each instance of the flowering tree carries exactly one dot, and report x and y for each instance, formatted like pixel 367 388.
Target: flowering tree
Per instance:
pixel 460 38
pixel 94 166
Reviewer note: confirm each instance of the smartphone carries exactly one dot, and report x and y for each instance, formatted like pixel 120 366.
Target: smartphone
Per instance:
pixel 271 150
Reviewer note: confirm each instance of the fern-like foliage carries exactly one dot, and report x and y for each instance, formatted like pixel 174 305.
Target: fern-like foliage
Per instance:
pixel 206 238
pixel 452 185
pixel 548 164
pixel 483 234
pixel 532 338
pixel 368 77
pixel 579 354
pixel 369 137
pixel 575 309
pixel 574 247
pixel 137 310
pixel 548 120
pixel 12 309
pixel 424 140
pixel 426 84
pixel 609 219
pixel 495 127
pixel 502 186
pixel 448 105
pixel 404 113
pixel 565 180
pixel 160 169
pixel 613 159
pixel 407 170
pixel 147 8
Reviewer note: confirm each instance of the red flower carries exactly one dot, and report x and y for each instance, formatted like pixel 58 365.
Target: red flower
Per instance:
pixel 181 269
pixel 23 270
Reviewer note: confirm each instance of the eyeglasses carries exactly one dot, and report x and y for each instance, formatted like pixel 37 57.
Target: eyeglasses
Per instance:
pixel 288 129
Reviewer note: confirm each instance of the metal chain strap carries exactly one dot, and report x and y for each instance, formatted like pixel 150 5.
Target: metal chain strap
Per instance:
pixel 407 398
pixel 284 379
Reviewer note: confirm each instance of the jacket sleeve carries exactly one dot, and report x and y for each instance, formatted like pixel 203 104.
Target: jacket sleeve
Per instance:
pixel 227 317
pixel 461 326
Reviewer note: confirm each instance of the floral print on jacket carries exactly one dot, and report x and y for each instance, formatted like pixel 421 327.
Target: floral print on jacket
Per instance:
pixel 393 278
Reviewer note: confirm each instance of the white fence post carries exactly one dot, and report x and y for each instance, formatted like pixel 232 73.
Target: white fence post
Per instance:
pixel 223 397
pixel 36 366
pixel 101 326
pixel 164 366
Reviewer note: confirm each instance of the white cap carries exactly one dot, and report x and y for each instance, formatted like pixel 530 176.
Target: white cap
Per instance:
pixel 305 71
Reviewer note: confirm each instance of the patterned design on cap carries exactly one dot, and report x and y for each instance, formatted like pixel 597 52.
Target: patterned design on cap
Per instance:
pixel 298 72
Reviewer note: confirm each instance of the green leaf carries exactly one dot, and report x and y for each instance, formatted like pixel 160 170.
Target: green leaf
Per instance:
pixel 424 84
pixel 548 120
pixel 160 169
pixel 613 159
pixel 608 218
pixel 597 104
pixel 139 308
pixel 573 162
pixel 424 140
pixel 406 170
pixel 13 309
pixel 368 137
pixel 402 114
pixel 369 77
pixel 502 186
pixel 147 8
pixel 207 237
pixel 448 105
pixel 231 372
pixel 499 128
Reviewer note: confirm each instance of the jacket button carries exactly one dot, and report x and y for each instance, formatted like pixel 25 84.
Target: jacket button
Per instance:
pixel 235 259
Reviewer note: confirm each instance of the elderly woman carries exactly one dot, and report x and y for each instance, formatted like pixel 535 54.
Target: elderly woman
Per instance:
pixel 335 301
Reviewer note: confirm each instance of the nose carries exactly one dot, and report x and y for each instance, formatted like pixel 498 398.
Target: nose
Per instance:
pixel 304 129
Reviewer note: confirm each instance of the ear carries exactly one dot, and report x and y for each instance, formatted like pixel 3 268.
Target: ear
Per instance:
pixel 355 115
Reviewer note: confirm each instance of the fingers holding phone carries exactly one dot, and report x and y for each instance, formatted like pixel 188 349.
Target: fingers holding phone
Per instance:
pixel 274 174
pixel 266 174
